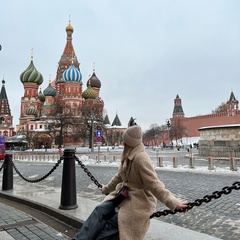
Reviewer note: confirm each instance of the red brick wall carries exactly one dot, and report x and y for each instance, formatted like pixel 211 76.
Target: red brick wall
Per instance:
pixel 194 123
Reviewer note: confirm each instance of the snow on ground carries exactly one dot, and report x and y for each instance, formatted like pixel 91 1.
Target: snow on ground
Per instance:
pixel 85 156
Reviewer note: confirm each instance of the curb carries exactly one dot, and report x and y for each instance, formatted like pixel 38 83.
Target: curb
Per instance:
pixel 58 214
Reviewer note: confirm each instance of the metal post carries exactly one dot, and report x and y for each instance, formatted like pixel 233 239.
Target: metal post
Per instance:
pixel 175 162
pixel 92 137
pixel 232 164
pixel 210 163
pixel 7 183
pixel 191 162
pixel 68 194
pixel 160 161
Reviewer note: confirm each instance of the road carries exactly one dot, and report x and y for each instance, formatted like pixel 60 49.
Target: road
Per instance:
pixel 219 218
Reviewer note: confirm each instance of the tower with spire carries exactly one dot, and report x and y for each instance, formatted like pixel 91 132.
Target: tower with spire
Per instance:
pixel 6 128
pixel 232 105
pixel 178 110
pixel 31 79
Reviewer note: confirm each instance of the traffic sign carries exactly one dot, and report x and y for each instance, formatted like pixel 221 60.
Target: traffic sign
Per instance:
pixel 98 139
pixel 99 133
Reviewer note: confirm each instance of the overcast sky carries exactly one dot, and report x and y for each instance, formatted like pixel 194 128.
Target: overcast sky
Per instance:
pixel 145 52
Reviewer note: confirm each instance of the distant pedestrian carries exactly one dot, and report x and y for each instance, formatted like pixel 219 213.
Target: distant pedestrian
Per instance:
pixel 60 151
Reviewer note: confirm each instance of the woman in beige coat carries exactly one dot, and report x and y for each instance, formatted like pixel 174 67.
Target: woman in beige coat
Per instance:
pixel 136 172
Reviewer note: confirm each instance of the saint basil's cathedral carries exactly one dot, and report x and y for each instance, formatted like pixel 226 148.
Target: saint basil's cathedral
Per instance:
pixel 37 113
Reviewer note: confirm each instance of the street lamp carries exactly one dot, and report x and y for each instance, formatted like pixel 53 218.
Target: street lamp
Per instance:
pixel 92 131
pixel 168 127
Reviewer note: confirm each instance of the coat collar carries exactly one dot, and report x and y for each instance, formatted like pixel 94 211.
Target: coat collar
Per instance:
pixel 135 151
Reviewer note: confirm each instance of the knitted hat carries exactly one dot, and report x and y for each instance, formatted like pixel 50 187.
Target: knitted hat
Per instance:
pixel 132 136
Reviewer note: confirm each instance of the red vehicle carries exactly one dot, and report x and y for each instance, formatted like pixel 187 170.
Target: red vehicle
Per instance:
pixel 2 147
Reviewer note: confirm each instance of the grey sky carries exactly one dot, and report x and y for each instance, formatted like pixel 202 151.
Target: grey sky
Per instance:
pixel 145 52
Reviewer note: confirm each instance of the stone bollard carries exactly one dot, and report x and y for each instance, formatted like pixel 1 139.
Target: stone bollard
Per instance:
pixel 114 158
pixel 160 161
pixel 210 163
pixel 232 164
pixel 7 183
pixel 175 163
pixel 191 162
pixel 68 194
pixel 105 158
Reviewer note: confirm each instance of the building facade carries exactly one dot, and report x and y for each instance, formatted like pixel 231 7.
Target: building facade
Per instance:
pixel 63 113
pixel 6 119
pixel 191 125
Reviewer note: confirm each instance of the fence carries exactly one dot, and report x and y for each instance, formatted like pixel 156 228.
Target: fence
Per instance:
pixel 194 162
pixel 191 161
pixel 219 151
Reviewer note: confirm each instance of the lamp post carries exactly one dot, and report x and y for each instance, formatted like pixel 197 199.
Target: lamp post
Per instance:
pixel 92 131
pixel 168 127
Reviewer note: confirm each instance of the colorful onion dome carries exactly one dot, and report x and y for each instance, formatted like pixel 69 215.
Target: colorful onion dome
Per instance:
pixel 72 74
pixel 89 93
pixel 31 75
pixel 69 27
pixel 31 111
pixel 94 81
pixel 41 96
pixel 49 91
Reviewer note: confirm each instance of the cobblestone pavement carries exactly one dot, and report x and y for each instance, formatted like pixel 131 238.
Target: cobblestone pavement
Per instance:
pixel 219 218
pixel 15 224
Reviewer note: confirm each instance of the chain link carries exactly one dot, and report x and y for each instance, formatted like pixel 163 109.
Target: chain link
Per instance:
pixel 198 202
pixel 2 166
pixel 88 172
pixel 39 179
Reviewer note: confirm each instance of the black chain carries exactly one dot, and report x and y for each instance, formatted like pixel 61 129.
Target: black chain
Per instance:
pixel 88 172
pixel 2 166
pixel 198 202
pixel 39 179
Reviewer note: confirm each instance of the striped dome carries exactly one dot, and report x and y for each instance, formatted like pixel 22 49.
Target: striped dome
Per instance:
pixel 89 93
pixel 72 74
pixel 31 111
pixel 31 75
pixel 49 91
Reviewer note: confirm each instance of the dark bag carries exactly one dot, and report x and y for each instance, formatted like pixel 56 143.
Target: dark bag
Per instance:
pixel 121 195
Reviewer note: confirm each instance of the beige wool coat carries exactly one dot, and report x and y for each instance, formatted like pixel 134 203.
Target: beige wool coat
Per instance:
pixel 145 188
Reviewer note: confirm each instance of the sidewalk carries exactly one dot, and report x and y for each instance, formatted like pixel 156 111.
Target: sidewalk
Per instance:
pixel 49 202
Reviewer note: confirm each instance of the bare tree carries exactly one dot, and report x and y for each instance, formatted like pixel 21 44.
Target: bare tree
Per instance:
pixel 91 120
pixel 177 130
pixel 60 121
pixel 151 136
pixel 113 137
pixel 221 108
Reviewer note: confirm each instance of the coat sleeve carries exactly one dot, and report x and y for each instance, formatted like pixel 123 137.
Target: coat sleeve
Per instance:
pixel 110 187
pixel 153 184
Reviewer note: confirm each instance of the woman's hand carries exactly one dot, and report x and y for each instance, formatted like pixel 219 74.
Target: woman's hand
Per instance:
pixel 101 188
pixel 182 205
